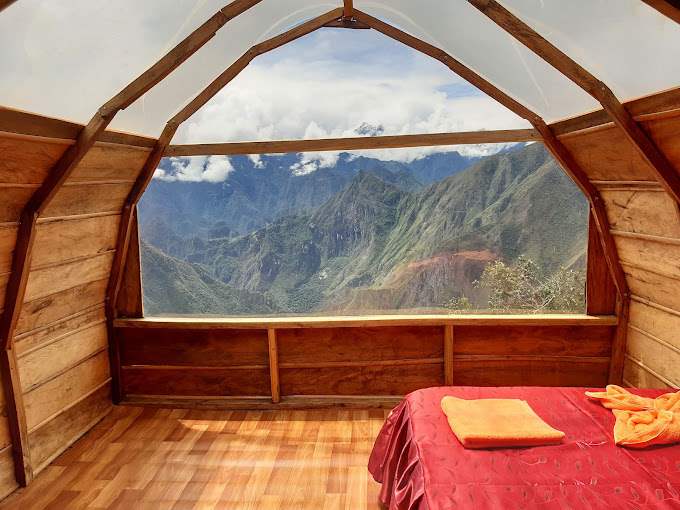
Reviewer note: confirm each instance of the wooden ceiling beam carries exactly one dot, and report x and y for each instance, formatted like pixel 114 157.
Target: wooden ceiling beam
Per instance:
pixel 669 8
pixel 23 251
pixel 657 162
pixel 232 71
pixel 348 10
pixel 175 57
pixel 357 143
pixel 154 159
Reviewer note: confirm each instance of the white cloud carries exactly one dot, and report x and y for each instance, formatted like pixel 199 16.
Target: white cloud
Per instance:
pixel 197 169
pixel 257 160
pixel 324 87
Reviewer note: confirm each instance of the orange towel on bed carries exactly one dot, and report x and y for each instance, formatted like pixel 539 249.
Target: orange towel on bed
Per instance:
pixel 640 421
pixel 497 423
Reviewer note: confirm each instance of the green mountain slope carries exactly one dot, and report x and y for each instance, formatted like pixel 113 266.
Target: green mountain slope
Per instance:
pixel 374 246
pixel 174 286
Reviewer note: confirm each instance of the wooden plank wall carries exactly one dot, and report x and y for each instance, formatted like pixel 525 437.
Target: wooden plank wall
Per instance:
pixel 197 366
pixel 61 340
pixel 646 224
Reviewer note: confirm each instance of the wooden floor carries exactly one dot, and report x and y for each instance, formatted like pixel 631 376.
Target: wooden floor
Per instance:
pixel 145 458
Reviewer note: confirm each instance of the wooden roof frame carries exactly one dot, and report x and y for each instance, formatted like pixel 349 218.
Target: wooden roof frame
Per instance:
pixel 345 16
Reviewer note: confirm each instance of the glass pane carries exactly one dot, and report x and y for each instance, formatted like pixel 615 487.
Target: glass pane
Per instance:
pixel 362 234
pixel 628 45
pixel 344 83
pixel 462 31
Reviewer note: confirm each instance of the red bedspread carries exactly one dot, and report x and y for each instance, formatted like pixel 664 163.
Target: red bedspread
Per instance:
pixel 422 465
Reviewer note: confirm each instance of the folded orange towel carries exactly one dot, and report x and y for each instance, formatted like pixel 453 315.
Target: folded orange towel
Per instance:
pixel 640 421
pixel 497 423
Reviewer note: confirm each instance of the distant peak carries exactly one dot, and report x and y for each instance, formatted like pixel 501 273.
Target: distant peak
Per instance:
pixel 367 129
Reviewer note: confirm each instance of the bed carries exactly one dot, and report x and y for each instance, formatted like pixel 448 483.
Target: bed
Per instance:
pixel 421 465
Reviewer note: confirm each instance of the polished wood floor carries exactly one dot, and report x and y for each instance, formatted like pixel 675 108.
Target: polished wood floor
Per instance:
pixel 145 458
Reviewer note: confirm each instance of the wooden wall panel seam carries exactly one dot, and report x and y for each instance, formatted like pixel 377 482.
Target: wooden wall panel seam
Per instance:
pixel 69 406
pixel 652 372
pixel 63 371
pixel 76 217
pixel 658 306
pixel 72 261
pixel 654 338
pixel 62 320
pixel 39 297
pixel 649 270
pixel 58 338
pixel 646 237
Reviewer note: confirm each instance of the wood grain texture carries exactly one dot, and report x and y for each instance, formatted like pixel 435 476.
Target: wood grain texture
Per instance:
pixel 669 8
pixel 51 332
pixel 8 484
pixel 63 240
pixel 638 377
pixel 159 458
pixel 654 354
pixel 59 392
pixel 27 161
pixel 359 344
pixel 654 256
pixel 52 438
pixel 110 163
pixel 56 278
pixel 530 371
pixel 88 199
pixel 17 122
pixel 360 143
pixel 642 212
pixel 193 347
pixel 656 321
pixel 191 381
pixel 369 321
pixel 44 363
pixel 130 302
pixel 8 239
pixel 274 365
pixel 13 202
pixel 600 288
pixel 548 341
pixel 653 287
pixel 53 308
pixel 366 380
pixel 607 155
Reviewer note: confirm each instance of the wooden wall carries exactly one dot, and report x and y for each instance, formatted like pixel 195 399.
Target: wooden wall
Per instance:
pixel 359 361
pixel 61 340
pixel 646 224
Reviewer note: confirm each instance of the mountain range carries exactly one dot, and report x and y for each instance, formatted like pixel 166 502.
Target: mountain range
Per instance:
pixel 364 236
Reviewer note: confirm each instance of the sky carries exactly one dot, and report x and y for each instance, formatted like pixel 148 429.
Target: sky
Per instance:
pixel 342 83
pixel 67 58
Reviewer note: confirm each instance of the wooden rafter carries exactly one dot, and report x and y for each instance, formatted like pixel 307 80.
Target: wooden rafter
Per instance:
pixel 358 143
pixel 664 172
pixel 348 11
pixel 55 179
pixel 5 3
pixel 669 8
pixel 570 165
pixel 453 64
pixel 154 159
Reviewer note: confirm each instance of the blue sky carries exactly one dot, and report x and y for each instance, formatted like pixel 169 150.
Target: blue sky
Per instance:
pixel 328 83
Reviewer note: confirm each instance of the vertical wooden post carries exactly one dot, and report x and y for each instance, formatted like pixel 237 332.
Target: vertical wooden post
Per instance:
pixel 600 288
pixel 448 355
pixel 274 366
pixel 16 417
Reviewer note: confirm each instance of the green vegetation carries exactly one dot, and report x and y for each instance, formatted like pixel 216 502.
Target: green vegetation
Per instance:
pixel 524 287
pixel 374 247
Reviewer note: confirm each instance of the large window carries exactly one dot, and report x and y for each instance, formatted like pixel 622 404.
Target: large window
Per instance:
pixel 486 228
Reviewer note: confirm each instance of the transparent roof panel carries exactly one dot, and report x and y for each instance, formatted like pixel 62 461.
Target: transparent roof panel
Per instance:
pixel 149 114
pixel 462 31
pixel 631 47
pixel 66 59
pixel 344 83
